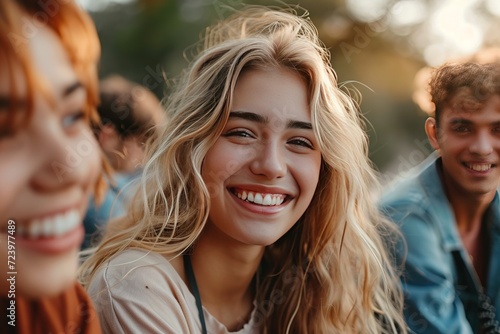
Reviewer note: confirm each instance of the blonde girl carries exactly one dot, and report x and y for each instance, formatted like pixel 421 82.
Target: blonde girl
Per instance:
pixel 255 214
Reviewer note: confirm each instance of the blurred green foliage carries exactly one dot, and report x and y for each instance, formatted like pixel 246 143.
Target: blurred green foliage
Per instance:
pixel 148 39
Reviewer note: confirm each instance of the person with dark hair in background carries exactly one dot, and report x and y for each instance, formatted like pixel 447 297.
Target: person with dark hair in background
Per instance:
pixel 50 163
pixel 449 211
pixel 129 115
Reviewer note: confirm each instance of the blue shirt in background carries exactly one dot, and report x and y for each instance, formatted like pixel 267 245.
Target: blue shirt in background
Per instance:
pixel 114 205
pixel 439 281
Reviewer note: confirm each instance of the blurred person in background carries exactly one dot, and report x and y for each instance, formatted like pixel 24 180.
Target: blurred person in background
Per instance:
pixel 449 210
pixel 254 214
pixel 50 163
pixel 129 116
pixel 421 94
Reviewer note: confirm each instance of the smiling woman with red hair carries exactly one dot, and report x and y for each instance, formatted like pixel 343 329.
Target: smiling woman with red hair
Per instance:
pixel 49 163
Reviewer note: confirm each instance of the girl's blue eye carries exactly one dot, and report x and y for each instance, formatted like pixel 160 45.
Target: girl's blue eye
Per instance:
pixel 71 119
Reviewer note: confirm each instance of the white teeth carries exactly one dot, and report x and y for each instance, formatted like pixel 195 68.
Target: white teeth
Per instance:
pixel 35 229
pixel 59 225
pixel 258 199
pixel 47 226
pixel 52 226
pixel 267 200
pixel 479 167
pixel 261 199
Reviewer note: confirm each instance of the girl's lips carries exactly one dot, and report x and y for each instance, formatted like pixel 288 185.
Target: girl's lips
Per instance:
pixel 47 226
pixel 260 198
pixel 53 245
pixel 52 234
pixel 260 209
pixel 52 226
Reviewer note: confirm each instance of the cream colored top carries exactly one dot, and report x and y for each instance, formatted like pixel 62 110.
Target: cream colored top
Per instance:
pixel 140 292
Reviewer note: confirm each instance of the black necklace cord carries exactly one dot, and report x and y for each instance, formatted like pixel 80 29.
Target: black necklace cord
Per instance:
pixel 194 287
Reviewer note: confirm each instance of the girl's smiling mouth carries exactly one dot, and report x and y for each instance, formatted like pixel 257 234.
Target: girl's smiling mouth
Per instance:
pixel 52 226
pixel 259 198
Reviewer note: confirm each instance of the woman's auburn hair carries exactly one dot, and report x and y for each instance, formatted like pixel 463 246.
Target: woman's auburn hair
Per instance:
pixel 78 36
pixel 330 273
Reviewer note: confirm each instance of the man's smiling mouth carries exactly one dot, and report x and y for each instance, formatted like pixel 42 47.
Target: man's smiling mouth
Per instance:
pixel 479 167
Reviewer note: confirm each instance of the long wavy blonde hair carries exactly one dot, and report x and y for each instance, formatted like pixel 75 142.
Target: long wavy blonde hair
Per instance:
pixel 330 273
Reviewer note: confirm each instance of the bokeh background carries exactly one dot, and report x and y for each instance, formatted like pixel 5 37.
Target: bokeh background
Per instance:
pixel 377 47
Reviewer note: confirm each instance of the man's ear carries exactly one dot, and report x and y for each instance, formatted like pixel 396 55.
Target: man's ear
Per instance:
pixel 431 130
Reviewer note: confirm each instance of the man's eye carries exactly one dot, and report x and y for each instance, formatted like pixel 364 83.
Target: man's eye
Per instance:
pixel 461 129
pixel 71 119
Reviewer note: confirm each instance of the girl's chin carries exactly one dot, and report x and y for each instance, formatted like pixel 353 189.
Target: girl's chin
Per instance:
pixel 44 289
pixel 42 275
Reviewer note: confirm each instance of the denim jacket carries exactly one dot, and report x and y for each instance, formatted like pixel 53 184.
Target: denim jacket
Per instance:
pixel 439 281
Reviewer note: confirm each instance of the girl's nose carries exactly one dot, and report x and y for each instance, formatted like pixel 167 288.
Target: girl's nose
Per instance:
pixel 269 161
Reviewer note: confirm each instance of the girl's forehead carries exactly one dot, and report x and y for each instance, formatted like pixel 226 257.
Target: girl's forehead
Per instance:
pixel 44 72
pixel 51 60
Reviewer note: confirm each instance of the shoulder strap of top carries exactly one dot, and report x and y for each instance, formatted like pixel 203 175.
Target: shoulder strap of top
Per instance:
pixel 194 287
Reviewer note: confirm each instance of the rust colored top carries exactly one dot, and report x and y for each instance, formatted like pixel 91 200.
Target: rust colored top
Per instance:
pixel 70 312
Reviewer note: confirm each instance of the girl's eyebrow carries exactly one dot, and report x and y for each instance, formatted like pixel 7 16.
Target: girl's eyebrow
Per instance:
pixel 249 116
pixel 70 89
pixel 7 103
pixel 299 125
pixel 254 117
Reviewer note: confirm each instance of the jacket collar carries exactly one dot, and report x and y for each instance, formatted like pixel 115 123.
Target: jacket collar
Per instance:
pixel 440 207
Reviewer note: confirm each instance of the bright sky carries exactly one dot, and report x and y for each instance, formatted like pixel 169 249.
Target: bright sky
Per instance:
pixel 438 29
pixel 97 5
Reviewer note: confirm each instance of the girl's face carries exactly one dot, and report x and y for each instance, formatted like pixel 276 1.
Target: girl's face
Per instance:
pixel 48 167
pixel 263 170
